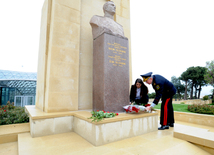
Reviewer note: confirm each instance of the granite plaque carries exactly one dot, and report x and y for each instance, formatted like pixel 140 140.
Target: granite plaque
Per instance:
pixel 110 73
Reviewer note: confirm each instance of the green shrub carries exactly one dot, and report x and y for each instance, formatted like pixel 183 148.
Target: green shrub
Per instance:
pixel 182 103
pixel 201 108
pixel 9 114
pixel 206 97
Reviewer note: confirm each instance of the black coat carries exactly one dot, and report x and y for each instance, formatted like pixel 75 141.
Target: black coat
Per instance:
pixel 143 94
pixel 162 87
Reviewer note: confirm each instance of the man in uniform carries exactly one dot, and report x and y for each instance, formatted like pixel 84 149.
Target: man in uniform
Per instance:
pixel 164 90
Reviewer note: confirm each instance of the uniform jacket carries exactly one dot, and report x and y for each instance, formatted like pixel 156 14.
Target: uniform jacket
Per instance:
pixel 162 87
pixel 143 93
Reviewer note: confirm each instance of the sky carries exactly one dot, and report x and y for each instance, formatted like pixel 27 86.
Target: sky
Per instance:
pixel 167 36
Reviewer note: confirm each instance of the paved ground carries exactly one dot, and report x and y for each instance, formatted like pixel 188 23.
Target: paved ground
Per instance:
pixel 154 143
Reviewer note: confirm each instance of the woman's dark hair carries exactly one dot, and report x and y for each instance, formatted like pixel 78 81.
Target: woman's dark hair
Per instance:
pixel 138 81
pixel 142 85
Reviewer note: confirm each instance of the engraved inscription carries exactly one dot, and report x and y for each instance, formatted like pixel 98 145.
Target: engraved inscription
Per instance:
pixel 116 52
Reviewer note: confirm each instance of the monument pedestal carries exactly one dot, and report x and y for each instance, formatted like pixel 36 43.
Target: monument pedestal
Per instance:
pixel 98 133
pixel 110 73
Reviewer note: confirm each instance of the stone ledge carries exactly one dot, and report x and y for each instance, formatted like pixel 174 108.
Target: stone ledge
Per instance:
pixel 84 115
pixel 98 133
pixel 36 114
pixel 9 133
pixel 196 135
pixel 194 118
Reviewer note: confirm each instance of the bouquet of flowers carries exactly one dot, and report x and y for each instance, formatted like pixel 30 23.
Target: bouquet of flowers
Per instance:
pixel 101 114
pixel 135 108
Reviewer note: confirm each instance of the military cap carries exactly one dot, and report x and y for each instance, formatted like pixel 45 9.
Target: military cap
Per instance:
pixel 146 76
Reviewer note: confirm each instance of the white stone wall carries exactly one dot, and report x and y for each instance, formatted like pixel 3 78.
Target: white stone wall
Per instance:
pixel 44 127
pixel 106 133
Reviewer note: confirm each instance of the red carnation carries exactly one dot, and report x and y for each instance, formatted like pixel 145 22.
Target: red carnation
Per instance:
pixel 117 114
pixel 4 110
pixel 108 112
pixel 135 109
pixel 97 110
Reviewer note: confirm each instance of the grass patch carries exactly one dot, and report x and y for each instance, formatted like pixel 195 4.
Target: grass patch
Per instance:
pixel 176 107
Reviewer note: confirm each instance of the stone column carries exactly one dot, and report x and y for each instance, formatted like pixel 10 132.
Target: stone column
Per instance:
pixel 110 73
pixel 58 66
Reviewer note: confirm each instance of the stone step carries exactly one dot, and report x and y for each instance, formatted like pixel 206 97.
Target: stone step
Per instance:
pixel 9 133
pixel 195 135
pixel 65 143
pixel 71 143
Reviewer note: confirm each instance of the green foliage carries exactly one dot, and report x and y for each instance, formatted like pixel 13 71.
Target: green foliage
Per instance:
pixel 179 86
pixel 194 77
pixel 201 108
pixel 182 103
pixel 213 101
pixel 209 76
pixel 152 95
pixel 9 114
pixel 100 115
pixel 185 77
pixel 206 97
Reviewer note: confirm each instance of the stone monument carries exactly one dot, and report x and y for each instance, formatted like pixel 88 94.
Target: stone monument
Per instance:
pixel 65 71
pixel 110 62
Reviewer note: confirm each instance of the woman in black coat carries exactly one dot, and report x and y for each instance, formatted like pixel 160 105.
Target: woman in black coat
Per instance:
pixel 138 93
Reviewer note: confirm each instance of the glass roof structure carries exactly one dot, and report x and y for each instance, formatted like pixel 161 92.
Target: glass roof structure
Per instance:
pixel 15 75
pixel 24 82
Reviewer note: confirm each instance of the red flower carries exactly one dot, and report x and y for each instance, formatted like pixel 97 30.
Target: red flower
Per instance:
pixel 4 110
pixel 147 105
pixel 135 109
pixel 108 112
pixel 104 111
pixel 97 110
pixel 117 114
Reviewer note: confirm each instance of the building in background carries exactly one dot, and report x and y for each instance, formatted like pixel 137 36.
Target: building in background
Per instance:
pixel 17 87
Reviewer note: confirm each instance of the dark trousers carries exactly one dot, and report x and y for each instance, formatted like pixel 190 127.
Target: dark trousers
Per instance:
pixel 167 112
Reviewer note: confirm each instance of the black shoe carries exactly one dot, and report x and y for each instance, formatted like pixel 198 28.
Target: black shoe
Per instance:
pixel 171 124
pixel 163 127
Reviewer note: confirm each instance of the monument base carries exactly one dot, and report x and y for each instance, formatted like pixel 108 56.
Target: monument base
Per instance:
pixel 97 133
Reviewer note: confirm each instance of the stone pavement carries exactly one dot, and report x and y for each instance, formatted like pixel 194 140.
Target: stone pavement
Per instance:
pixel 154 143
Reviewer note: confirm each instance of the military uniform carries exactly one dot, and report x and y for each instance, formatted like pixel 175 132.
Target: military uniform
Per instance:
pixel 164 90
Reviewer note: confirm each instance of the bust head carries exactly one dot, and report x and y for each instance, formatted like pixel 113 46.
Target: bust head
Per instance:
pixel 109 8
pixel 106 24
